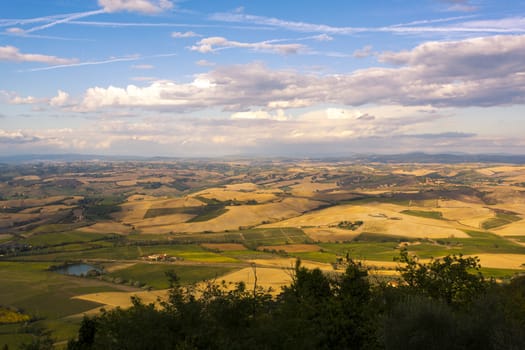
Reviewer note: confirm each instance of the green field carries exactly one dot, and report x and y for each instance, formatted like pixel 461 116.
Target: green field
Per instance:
pixel 43 293
pixel 211 212
pixel 519 238
pixel 500 219
pixel 363 250
pixel 54 228
pixel 324 257
pixel 424 214
pixel 45 296
pixel 192 252
pixel 274 236
pixel 154 212
pixel 251 238
pixel 486 242
pixel 135 246
pixel 60 238
pixel 154 275
pixel 247 254
pixel 202 213
pixel 29 287
pixel 500 273
pixel 381 238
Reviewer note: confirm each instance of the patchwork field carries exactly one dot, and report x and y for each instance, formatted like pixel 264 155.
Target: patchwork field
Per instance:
pixel 377 218
pixel 138 223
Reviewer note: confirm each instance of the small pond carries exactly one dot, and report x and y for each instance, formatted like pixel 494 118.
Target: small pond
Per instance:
pixel 76 269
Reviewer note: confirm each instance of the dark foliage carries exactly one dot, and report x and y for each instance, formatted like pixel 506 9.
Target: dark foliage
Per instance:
pixel 453 279
pixel 445 304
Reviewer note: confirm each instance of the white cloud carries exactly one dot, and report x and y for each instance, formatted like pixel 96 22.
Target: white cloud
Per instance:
pixel 142 66
pixel 18 100
pixel 143 78
pixel 364 52
pixel 485 71
pixel 289 25
pixel 58 19
pixel 215 43
pixel 16 137
pixel 460 5
pixel 178 35
pixel 11 53
pixel 61 99
pixel 508 25
pixel 203 83
pixel 368 129
pixel 293 103
pixel 87 63
pixel 280 116
pixel 15 30
pixel 205 63
pixel 476 58
pixel 142 6
pixel 155 95
pixel 340 113
pixel 322 37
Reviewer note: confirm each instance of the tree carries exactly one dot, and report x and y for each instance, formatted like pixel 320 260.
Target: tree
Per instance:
pixel 454 279
pixel 328 311
pixel 42 342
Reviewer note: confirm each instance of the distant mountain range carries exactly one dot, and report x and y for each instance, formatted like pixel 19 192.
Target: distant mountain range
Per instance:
pixel 416 157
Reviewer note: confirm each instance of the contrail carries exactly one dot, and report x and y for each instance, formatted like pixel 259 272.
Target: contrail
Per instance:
pixel 66 19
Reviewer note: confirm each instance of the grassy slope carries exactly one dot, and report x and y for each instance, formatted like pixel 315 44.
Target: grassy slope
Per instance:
pixel 424 214
pixel 154 275
pixel 44 295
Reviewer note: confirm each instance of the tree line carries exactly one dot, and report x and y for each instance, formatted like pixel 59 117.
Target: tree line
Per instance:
pixel 443 304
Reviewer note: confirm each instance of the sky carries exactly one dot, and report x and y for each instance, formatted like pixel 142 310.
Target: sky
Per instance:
pixel 211 78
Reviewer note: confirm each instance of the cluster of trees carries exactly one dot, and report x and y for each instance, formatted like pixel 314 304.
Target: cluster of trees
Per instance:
pixel 444 304
pixel 349 225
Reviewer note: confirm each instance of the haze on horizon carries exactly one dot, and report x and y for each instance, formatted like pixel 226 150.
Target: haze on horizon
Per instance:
pixel 212 78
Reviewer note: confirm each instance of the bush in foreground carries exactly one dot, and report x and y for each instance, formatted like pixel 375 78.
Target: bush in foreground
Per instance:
pixel 443 304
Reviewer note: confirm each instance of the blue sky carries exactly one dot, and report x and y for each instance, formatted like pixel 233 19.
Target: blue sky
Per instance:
pixel 272 78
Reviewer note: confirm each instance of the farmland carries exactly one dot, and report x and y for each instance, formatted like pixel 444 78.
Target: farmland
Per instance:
pixel 138 222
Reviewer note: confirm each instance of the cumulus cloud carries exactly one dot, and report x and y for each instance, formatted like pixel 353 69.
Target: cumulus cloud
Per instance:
pixel 232 87
pixel 142 6
pixel 11 53
pixel 16 137
pixel 486 71
pixel 472 58
pixel 342 113
pixel 27 100
pixel 260 115
pixel 291 103
pixel 215 43
pixel 254 129
pixel 61 99
pixel 370 129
